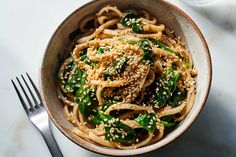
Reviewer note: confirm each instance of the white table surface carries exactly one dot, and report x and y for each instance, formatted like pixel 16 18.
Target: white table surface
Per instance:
pixel 25 29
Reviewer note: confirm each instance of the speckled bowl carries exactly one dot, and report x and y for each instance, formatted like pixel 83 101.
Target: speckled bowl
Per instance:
pixel 166 13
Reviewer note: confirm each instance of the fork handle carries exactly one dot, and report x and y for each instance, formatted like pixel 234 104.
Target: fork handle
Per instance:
pixel 51 142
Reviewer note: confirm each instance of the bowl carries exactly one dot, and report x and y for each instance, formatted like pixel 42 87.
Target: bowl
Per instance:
pixel 168 14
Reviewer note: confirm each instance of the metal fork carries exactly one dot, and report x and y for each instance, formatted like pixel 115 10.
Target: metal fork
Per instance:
pixel 37 114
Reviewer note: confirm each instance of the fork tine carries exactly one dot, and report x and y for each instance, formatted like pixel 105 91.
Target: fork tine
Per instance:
pixel 35 88
pixel 26 95
pixel 20 97
pixel 35 101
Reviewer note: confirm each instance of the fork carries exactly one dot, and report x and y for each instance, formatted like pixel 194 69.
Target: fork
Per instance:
pixel 37 114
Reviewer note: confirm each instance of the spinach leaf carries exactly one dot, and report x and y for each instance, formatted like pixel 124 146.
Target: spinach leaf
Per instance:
pixel 168 124
pixel 106 73
pixel 144 44
pixel 172 83
pixel 84 51
pixel 132 42
pixel 167 85
pixel 84 102
pixel 105 105
pixel 161 98
pixel 187 64
pixel 168 121
pixel 147 51
pixel 101 50
pixel 84 58
pixel 133 20
pixel 137 27
pixel 161 45
pixel 148 121
pixel 117 131
pixel 83 97
pixel 177 97
pixel 116 67
pixel 169 118
pixel 74 83
pixel 99 117
pixel 81 78
pixel 126 18
pixel 66 80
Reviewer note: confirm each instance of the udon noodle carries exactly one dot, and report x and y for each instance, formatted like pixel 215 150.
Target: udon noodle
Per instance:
pixel 127 79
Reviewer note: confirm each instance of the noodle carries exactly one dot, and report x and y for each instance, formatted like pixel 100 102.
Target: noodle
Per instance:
pixel 126 80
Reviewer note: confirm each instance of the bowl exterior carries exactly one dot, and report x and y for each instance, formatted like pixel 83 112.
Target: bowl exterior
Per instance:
pixel 174 18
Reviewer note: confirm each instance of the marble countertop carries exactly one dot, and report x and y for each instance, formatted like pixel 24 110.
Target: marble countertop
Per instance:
pixel 25 29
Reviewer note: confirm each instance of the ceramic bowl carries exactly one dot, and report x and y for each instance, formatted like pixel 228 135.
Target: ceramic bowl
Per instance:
pixel 166 13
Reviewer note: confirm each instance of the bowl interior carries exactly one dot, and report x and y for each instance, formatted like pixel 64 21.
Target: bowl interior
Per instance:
pixel 167 14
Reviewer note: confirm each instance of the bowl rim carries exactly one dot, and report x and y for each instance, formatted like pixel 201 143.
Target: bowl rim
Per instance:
pixel 117 152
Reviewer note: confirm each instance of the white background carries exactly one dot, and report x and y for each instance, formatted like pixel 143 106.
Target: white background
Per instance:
pixel 25 29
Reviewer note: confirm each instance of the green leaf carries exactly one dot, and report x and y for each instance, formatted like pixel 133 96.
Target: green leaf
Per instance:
pixel 177 97
pixel 172 83
pixel 99 117
pixel 84 103
pixel 116 67
pixel 83 98
pixel 147 56
pixel 166 87
pixel 84 58
pixel 116 131
pixel 74 83
pixel 168 124
pixel 147 51
pixel 126 18
pixel 168 118
pixel 100 50
pixel 68 84
pixel 119 132
pixel 84 51
pixel 174 67
pixel 106 74
pixel 148 121
pixel 81 78
pixel 161 97
pixel 161 45
pixel 137 27
pixel 144 44
pixel 105 105
pixel 131 19
pixel 168 121
pixel 132 42
pixel 187 64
